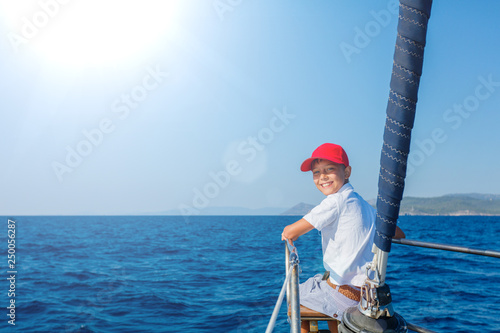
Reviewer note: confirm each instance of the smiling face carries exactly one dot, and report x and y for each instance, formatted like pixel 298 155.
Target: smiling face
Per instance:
pixel 329 177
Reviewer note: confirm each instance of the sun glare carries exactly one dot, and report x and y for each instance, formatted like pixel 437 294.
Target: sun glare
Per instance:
pixel 90 32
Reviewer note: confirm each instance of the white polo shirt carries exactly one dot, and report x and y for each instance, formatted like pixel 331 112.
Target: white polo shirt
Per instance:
pixel 347 225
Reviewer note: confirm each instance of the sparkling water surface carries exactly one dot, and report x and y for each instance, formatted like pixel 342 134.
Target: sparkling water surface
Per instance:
pixel 224 273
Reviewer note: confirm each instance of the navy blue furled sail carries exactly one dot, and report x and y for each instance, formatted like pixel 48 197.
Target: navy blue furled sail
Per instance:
pixel 406 72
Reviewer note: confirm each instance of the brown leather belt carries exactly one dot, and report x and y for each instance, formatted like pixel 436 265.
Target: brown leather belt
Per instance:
pixel 346 290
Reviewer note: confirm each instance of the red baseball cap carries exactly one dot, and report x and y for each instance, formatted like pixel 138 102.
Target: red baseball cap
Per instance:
pixel 327 151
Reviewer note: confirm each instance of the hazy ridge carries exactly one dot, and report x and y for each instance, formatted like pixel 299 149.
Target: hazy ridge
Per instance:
pixel 450 204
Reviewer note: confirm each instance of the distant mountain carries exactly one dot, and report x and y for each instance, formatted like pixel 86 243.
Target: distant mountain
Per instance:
pixel 452 204
pixel 299 209
pixel 477 196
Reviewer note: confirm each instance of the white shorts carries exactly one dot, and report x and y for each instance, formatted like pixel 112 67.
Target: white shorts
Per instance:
pixel 318 295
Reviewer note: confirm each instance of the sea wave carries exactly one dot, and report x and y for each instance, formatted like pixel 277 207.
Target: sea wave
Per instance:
pixel 112 274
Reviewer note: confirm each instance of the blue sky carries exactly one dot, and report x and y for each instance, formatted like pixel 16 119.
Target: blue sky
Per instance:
pixel 150 106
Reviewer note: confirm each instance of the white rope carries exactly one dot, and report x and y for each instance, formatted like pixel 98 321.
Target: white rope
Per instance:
pixel 272 322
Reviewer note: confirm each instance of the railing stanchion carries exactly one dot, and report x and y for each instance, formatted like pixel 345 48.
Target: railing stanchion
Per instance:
pixel 287 269
pixel 291 287
pixel 295 303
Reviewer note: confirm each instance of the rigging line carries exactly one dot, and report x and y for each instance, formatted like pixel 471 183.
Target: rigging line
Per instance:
pixel 447 247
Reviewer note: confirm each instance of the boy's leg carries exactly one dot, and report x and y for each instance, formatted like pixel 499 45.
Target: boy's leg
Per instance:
pixel 333 326
pixel 304 326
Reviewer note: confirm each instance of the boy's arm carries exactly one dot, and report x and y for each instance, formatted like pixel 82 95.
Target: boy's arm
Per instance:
pixel 294 230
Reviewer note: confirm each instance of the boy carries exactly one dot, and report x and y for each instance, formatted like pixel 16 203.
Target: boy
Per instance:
pixel 347 225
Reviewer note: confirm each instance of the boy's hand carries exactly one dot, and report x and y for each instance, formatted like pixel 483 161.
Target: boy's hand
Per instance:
pixel 283 238
pixel 399 233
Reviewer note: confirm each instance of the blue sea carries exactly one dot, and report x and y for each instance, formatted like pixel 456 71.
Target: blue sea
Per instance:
pixel 224 273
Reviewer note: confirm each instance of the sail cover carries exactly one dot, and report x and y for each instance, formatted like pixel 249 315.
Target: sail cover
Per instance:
pixel 406 72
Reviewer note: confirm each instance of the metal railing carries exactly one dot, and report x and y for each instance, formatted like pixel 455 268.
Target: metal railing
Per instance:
pixel 447 247
pixel 291 286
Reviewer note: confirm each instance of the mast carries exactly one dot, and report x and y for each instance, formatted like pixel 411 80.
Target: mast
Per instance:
pixel 375 309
